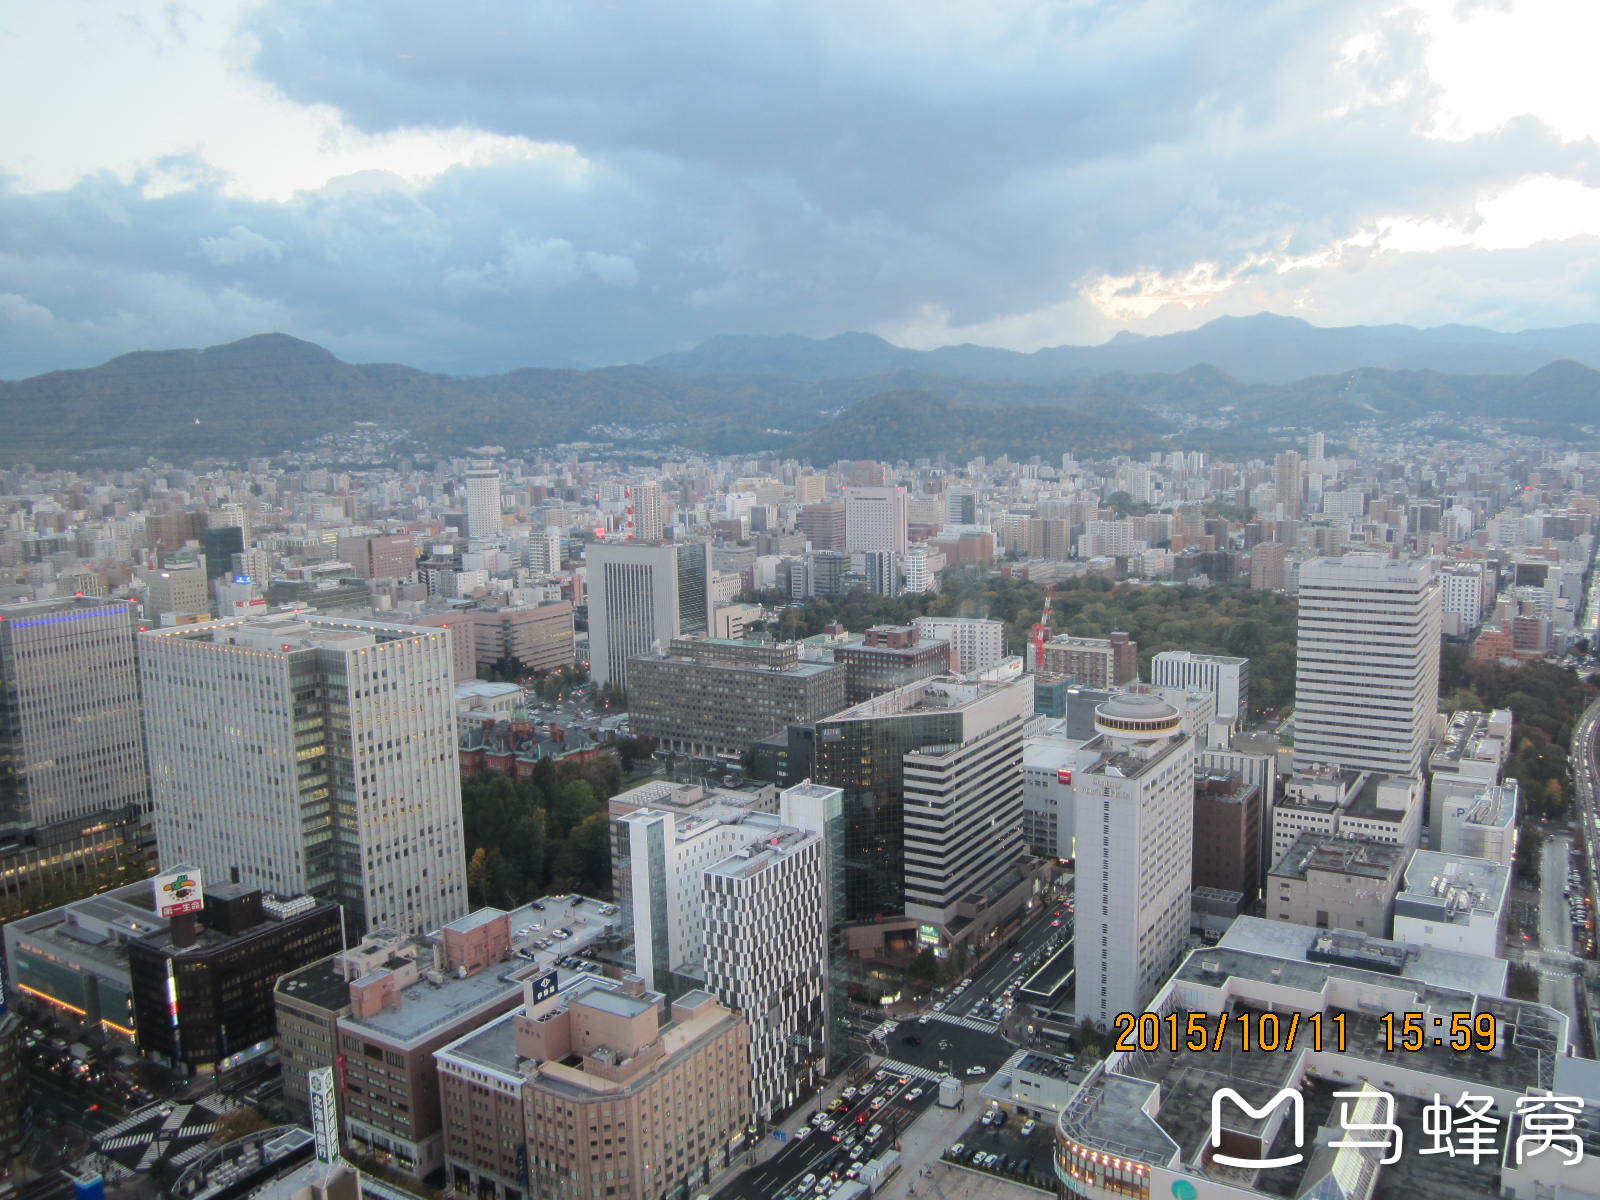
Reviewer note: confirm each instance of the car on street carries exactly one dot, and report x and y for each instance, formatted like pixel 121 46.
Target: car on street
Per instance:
pixel 977 1070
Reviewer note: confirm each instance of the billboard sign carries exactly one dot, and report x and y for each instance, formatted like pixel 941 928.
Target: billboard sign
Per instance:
pixel 178 892
pixel 324 1114
pixel 542 987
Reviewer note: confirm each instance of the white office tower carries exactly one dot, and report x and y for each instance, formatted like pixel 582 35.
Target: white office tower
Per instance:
pixel 1226 678
pixel 962 800
pixel 646 513
pixel 976 644
pixel 483 502
pixel 1135 840
pixel 875 519
pixel 70 740
pixel 1367 665
pixel 734 901
pixel 641 597
pixel 309 755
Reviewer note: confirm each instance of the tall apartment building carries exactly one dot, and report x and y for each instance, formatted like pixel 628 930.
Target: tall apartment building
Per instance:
pixel 71 746
pixel 642 596
pixel 543 551
pixel 975 643
pixel 310 755
pixel 908 848
pixel 823 525
pixel 875 519
pixel 1267 563
pixel 1097 662
pixel 646 514
pixel 1467 590
pixel 1135 839
pixel 483 502
pixel 1289 485
pixel 1367 663
pixel 734 902
pixel 596 1093
pixel 380 556
pixel 1225 677
pixel 713 697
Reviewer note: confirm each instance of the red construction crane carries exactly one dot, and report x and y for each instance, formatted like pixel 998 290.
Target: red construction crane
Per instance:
pixel 1041 629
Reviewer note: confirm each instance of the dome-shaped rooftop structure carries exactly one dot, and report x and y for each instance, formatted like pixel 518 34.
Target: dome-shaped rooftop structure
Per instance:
pixel 1144 716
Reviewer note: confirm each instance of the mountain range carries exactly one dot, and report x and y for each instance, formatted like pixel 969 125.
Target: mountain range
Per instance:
pixel 273 392
pixel 1265 348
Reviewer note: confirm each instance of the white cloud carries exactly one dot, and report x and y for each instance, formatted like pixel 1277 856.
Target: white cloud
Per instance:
pixel 240 245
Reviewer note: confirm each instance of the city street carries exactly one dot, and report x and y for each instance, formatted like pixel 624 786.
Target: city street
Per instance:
pixel 1004 970
pixel 825 1151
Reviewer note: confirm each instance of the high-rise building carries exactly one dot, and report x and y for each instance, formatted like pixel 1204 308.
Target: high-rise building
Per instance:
pixel 176 592
pixel 734 901
pixel 640 598
pixel 310 755
pixel 646 513
pixel 1267 562
pixel 1135 840
pixel 931 776
pixel 380 556
pixel 220 543
pixel 961 506
pixel 823 525
pixel 71 746
pixel 483 502
pixel 975 642
pixel 1288 485
pixel 715 697
pixel 875 519
pixel 1225 677
pixel 1367 663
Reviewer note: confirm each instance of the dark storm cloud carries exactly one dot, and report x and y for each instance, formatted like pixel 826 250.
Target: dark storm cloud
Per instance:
pixel 765 168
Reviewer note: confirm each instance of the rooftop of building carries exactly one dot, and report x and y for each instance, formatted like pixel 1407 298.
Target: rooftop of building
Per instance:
pixel 322 985
pixel 1471 735
pixel 937 693
pixel 427 1005
pixel 1452 888
pixel 1355 857
pixel 770 843
pixel 1363 568
pixel 1449 969
pixel 287 632
pixel 678 797
pixel 1225 660
pixel 1128 764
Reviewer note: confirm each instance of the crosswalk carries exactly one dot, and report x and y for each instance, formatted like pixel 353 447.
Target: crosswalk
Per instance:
pixel 976 1023
pixel 900 1068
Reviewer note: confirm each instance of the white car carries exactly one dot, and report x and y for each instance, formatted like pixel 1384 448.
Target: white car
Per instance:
pixel 977 1070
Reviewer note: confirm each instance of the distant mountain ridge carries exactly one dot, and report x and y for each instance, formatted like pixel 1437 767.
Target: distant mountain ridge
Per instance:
pixel 272 392
pixel 1265 348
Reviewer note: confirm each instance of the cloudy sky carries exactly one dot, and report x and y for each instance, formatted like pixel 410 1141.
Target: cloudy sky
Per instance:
pixel 491 183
